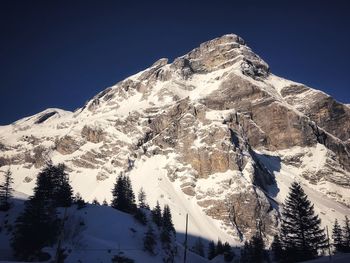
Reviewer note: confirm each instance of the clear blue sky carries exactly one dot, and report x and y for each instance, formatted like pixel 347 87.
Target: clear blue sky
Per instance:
pixel 61 53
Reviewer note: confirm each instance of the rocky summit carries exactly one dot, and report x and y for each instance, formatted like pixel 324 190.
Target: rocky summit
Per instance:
pixel 213 134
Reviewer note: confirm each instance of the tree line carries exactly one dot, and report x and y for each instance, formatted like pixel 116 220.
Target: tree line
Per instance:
pixel 39 225
pixel 299 238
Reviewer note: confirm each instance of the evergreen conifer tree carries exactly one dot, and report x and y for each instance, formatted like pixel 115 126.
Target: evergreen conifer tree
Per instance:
pixel 301 233
pixel 211 250
pixel 105 202
pixel 6 191
pixel 38 225
pixel 167 221
pixel 157 215
pixel 346 235
pixel 119 194
pixel 246 253
pixel 63 193
pixel 149 241
pixel 198 247
pixel 140 216
pixel 79 201
pixel 165 237
pixel 258 249
pixel 168 229
pixel 276 248
pixel 123 195
pixel 254 250
pixel 53 185
pixel 95 201
pixel 219 248
pixel 130 196
pixel 142 199
pixel 35 228
pixel 337 236
pixel 228 253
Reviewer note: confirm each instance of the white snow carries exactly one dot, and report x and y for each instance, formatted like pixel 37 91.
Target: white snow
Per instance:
pixel 159 188
pixel 326 207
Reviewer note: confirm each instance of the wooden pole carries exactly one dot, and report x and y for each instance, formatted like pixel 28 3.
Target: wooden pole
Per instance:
pixel 185 253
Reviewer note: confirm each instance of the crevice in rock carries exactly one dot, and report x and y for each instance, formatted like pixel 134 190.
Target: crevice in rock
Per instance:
pixel 321 136
pixel 232 214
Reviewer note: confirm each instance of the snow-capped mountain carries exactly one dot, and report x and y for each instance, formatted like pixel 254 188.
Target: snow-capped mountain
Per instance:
pixel 213 134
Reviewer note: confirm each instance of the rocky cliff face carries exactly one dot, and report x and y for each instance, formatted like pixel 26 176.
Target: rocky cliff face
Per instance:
pixel 227 128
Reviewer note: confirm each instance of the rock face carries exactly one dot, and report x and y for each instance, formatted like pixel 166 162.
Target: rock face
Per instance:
pixel 92 134
pixel 224 124
pixel 67 145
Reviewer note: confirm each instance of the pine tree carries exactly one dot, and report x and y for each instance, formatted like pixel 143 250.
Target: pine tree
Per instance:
pixel 301 235
pixel 95 201
pixel 140 216
pixel 198 247
pixel 211 250
pixel 246 253
pixel 64 192
pixel 53 185
pixel 157 215
pixel 258 249
pixel 167 221
pixel 79 201
pixel 149 241
pixel 38 224
pixel 337 236
pixel 228 253
pixel 346 235
pixel 142 199
pixel 219 248
pixel 276 248
pixel 254 250
pixel 130 196
pixel 123 195
pixel 165 237
pixel 35 228
pixel 6 191
pixel 119 194
pixel 167 227
pixel 105 202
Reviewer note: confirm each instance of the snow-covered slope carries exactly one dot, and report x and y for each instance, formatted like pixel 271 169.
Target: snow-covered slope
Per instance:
pixel 212 131
pixel 97 233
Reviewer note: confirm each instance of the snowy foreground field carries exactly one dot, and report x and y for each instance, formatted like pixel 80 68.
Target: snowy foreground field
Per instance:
pixel 96 234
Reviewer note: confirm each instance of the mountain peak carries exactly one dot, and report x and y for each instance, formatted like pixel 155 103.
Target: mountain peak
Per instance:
pixel 225 39
pixel 220 53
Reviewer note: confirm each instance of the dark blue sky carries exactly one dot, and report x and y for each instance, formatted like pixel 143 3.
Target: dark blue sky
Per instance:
pixel 61 53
